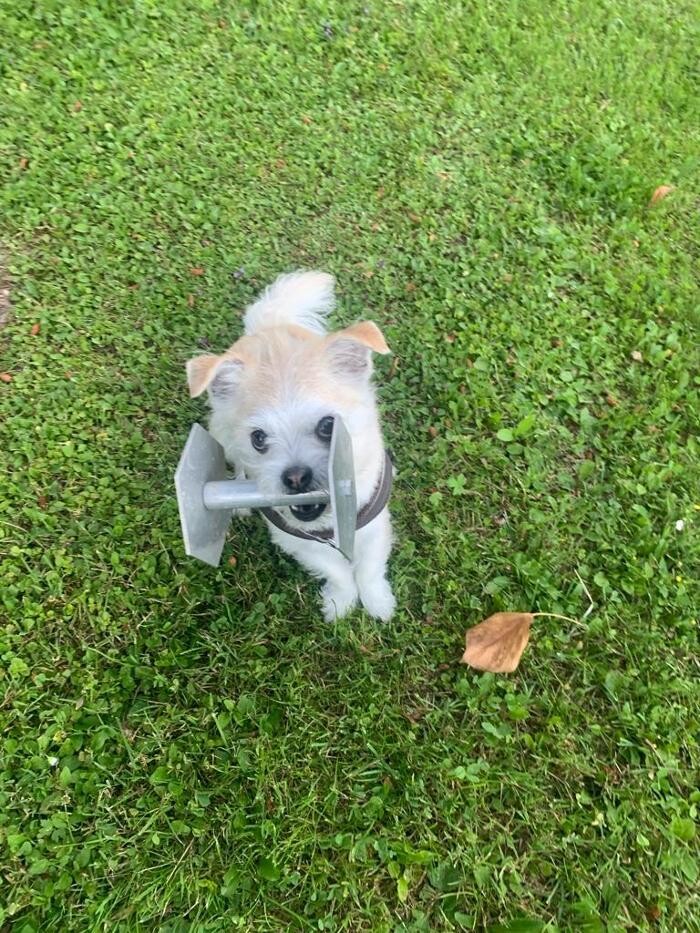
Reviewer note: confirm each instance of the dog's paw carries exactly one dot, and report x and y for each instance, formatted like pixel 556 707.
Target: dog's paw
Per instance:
pixel 337 601
pixel 378 600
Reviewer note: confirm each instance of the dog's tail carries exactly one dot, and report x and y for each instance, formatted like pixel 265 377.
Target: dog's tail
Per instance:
pixel 302 298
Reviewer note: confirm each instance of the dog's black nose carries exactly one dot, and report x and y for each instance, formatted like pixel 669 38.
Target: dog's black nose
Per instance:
pixel 297 478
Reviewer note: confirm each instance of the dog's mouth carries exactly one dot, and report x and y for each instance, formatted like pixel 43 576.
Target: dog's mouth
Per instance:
pixel 307 513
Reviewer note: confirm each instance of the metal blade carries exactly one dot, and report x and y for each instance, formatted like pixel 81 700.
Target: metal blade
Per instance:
pixel 341 480
pixel 203 531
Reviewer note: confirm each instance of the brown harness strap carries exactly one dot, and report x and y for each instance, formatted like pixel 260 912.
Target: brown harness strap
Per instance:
pixel 367 513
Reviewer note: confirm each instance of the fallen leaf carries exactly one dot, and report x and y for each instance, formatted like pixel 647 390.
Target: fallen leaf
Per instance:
pixel 433 431
pixel 35 329
pixel 636 356
pixel 497 644
pixel 232 561
pixel 661 192
pixel 414 715
pixel 190 300
pixel 611 400
pixel 5 377
pixel 78 106
pixel 414 218
pixel 23 163
pixel 196 270
pixel 42 501
pixel 306 119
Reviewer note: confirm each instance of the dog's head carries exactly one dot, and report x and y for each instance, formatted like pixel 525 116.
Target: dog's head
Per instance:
pixel 274 396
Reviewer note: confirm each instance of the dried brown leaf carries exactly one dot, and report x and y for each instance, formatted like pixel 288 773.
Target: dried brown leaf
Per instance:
pixel 5 377
pixel 661 192
pixel 35 329
pixel 497 644
pixel 196 270
pixel 637 356
pixel 414 715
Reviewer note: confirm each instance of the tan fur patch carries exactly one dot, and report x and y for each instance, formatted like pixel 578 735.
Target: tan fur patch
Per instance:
pixel 289 360
pixel 279 358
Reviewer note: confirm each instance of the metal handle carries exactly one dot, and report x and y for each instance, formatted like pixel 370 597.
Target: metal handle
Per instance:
pixel 244 494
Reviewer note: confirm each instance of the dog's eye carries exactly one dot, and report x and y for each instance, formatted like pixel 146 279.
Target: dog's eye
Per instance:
pixel 324 429
pixel 259 440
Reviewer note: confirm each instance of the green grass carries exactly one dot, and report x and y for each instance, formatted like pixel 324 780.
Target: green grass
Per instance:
pixel 193 749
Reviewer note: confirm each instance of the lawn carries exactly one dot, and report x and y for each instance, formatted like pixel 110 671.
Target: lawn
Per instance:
pixel 186 748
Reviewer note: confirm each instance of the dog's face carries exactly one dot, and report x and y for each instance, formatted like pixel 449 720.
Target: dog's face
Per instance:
pixel 274 396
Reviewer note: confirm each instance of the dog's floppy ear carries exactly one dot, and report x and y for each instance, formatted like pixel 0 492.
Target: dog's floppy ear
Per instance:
pixel 350 349
pixel 219 374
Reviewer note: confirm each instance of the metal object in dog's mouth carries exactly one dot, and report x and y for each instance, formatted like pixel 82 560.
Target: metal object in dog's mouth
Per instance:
pixel 307 513
pixel 206 498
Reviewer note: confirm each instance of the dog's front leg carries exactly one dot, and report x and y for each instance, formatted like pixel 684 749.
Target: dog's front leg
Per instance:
pixel 339 592
pixel 372 548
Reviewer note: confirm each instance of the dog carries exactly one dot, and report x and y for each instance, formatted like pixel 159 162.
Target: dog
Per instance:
pixel 273 398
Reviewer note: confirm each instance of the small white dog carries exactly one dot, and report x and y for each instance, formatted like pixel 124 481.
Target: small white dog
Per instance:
pixel 273 397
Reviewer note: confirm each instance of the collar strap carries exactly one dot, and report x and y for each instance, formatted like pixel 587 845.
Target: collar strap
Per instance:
pixel 367 513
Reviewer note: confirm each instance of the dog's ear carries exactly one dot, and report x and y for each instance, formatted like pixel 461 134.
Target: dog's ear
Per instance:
pixel 351 349
pixel 219 374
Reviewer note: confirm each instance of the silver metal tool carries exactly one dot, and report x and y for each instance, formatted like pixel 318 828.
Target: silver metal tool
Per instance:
pixel 207 499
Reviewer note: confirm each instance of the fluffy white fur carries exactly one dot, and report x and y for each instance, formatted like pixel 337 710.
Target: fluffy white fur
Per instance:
pixel 282 378
pixel 303 298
